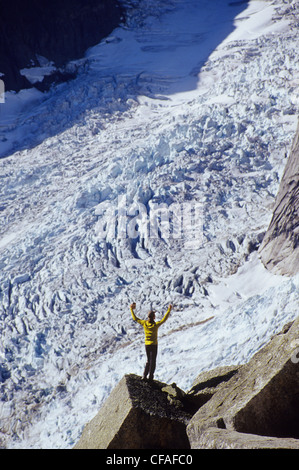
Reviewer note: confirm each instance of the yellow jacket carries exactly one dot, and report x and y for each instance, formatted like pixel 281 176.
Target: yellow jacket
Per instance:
pixel 151 329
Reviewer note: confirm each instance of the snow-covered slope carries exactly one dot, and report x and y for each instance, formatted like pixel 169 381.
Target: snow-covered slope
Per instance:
pixel 190 108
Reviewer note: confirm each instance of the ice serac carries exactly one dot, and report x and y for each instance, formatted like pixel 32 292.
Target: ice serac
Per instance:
pixel 280 247
pixel 58 31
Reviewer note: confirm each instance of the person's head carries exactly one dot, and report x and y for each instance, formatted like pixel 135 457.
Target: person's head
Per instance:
pixel 151 316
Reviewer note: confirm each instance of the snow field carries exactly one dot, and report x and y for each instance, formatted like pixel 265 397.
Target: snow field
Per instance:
pixel 155 118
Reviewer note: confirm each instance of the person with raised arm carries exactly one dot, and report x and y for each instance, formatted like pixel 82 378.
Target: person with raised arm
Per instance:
pixel 150 327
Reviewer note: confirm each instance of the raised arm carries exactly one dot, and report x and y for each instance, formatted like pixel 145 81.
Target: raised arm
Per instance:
pixel 132 308
pixel 165 316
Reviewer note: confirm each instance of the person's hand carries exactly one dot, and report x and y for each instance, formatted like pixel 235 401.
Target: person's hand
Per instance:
pixel 133 305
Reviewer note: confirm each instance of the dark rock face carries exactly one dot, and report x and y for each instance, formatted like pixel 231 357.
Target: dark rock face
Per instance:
pixel 207 384
pixel 58 31
pixel 258 406
pixel 280 247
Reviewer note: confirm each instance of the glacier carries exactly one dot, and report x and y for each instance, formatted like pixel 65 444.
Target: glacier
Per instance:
pixel 187 104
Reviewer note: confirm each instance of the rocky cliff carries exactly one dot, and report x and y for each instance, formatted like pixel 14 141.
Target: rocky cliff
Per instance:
pixel 139 415
pixel 280 247
pixel 252 406
pixel 35 30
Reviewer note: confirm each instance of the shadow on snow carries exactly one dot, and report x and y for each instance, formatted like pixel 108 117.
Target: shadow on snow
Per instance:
pixel 157 61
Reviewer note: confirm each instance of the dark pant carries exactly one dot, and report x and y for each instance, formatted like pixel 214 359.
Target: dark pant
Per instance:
pixel 150 366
